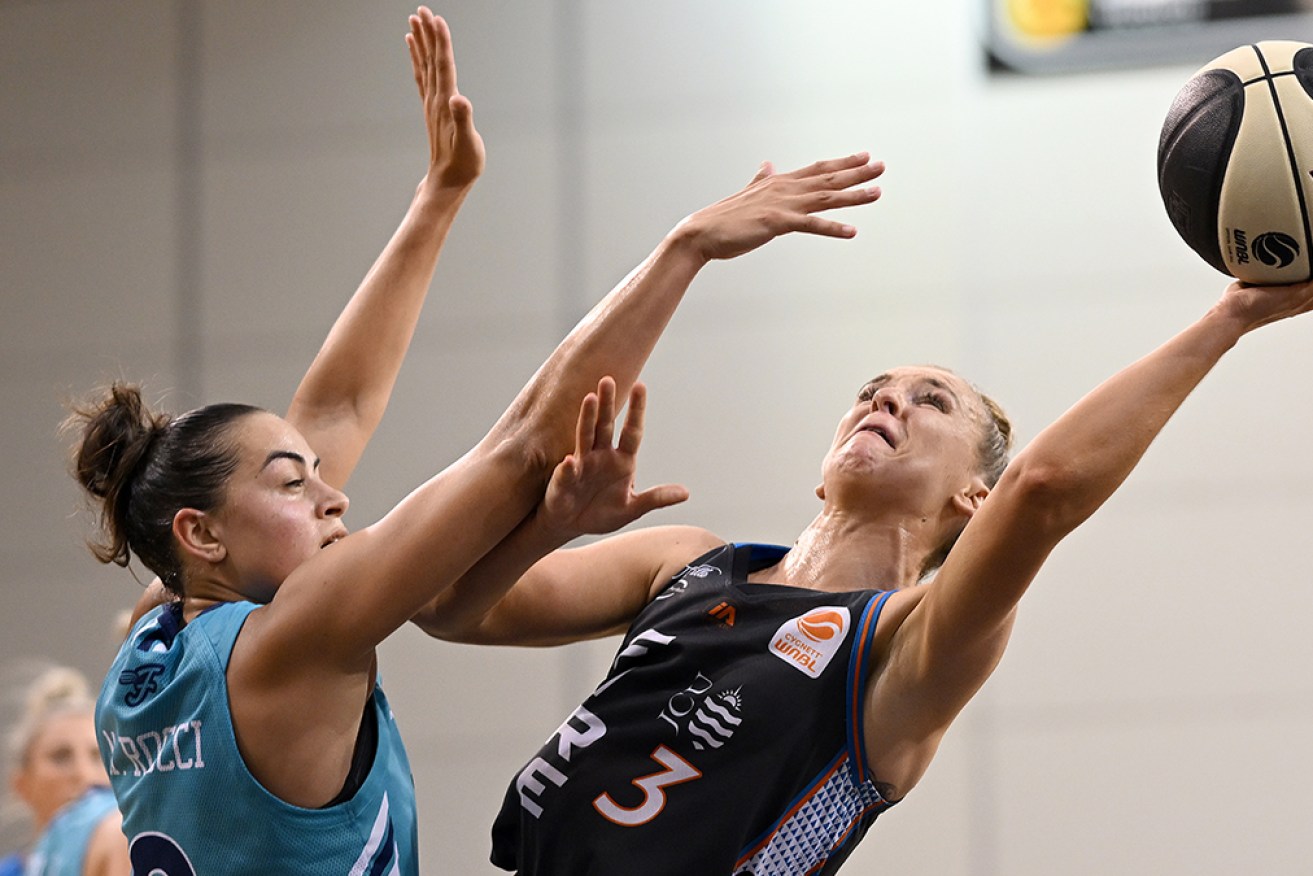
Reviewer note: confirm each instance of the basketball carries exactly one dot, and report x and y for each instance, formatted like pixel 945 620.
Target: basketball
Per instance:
pixel 1235 162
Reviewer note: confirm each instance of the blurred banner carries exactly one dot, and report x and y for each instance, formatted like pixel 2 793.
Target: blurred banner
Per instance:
pixel 1062 36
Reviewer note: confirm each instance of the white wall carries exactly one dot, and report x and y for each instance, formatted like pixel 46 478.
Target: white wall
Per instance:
pixel 190 190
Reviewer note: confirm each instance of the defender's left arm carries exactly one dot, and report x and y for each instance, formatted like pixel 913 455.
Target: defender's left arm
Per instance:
pixel 342 397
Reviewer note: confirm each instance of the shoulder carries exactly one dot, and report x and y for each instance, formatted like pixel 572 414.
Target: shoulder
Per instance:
pixel 653 547
pixel 681 544
pixel 668 550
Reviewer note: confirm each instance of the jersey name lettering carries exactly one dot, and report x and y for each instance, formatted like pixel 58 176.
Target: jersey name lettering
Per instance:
pixel 568 738
pixel 579 731
pixel 177 747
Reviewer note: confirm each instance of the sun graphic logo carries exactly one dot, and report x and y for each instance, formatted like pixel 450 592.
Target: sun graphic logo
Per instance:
pixel 715 721
pixel 809 642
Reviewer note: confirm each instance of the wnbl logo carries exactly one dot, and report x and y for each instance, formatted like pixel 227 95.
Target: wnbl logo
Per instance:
pixel 810 641
pixel 140 682
pixel 1276 249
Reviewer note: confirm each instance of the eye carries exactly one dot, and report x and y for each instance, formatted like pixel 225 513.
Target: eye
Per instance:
pixel 867 393
pixel 295 484
pixel 935 399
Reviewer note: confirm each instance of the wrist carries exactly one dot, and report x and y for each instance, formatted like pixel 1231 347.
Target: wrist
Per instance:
pixel 547 536
pixel 683 244
pixel 1228 321
pixel 434 194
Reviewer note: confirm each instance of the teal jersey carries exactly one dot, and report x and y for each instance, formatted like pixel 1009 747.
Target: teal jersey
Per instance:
pixel 61 849
pixel 190 805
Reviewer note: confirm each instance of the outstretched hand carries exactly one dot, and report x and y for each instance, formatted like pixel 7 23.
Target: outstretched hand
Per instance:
pixel 592 489
pixel 1259 305
pixel 456 154
pixel 773 204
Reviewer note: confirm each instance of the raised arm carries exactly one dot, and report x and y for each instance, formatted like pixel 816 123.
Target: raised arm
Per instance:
pixel 954 637
pixel 383 575
pixel 342 397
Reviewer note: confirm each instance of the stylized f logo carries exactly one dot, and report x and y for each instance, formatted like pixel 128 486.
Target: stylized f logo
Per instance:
pixel 141 682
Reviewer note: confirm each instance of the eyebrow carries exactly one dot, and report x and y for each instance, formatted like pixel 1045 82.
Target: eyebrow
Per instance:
pixel 874 383
pixel 937 383
pixel 287 454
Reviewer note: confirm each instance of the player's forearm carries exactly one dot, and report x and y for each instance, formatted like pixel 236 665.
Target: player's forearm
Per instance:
pixel 474 609
pixel 614 339
pixel 1078 461
pixel 353 374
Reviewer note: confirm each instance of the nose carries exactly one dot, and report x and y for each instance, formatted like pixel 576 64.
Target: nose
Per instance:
pixel 887 399
pixel 334 503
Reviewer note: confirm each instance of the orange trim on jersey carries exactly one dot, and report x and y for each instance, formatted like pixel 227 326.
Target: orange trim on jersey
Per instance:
pixel 860 815
pixel 859 678
pixel 793 810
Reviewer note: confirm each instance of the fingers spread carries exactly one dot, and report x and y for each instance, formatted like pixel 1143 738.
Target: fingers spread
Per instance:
pixel 631 434
pixel 825 227
pixel 830 165
pixel 605 413
pixel 829 200
pixel 843 179
pixel 586 425
pixel 658 497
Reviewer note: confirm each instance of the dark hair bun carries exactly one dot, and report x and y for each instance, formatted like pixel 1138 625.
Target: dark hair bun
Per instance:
pixel 116 434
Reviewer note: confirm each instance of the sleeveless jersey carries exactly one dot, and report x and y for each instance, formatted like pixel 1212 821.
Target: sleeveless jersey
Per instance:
pixel 61 849
pixel 189 804
pixel 726 738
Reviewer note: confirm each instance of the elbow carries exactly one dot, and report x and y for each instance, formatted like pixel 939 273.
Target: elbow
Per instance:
pixel 441 625
pixel 1053 493
pixel 427 620
pixel 526 438
pixel 516 447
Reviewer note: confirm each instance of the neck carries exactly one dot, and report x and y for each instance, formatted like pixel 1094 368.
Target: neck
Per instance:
pixel 838 551
pixel 205 591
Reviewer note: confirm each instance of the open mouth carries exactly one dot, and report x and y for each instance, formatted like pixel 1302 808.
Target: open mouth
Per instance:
pixel 882 432
pixel 333 539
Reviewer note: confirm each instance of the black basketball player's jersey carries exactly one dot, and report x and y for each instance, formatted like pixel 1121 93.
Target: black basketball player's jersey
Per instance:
pixel 726 738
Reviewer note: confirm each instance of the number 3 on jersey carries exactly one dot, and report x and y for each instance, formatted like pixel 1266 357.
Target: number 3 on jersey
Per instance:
pixel 677 771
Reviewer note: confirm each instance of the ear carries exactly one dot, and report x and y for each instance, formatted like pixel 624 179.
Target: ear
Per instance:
pixel 968 502
pixel 198 536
